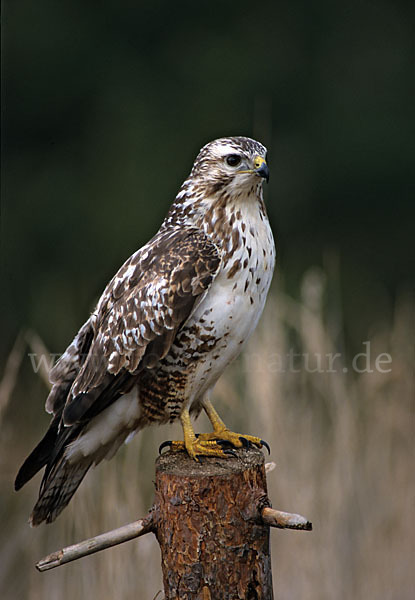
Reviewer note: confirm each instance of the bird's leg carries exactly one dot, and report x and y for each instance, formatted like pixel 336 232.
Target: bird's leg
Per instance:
pixel 196 445
pixel 222 433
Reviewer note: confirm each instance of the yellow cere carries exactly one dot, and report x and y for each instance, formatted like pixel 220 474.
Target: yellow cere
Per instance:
pixel 258 161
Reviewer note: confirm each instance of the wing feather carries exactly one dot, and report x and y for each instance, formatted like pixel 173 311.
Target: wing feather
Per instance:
pixel 67 368
pixel 141 310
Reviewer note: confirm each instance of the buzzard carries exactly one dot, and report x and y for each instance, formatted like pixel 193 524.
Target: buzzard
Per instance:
pixel 173 317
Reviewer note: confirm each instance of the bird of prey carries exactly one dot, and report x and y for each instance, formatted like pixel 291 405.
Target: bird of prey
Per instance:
pixel 177 312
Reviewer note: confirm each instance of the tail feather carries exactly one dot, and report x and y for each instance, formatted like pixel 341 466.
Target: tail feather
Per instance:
pixel 65 464
pixel 61 478
pixel 57 490
pixel 40 456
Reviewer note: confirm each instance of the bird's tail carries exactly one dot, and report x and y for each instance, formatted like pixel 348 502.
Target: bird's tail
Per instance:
pixel 57 489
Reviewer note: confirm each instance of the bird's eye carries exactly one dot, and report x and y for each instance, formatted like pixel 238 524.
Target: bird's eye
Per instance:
pixel 233 160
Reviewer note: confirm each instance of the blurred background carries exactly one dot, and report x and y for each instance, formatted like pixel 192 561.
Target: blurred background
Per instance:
pixel 105 106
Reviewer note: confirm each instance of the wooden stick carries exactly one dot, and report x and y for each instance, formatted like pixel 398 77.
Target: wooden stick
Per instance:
pixel 269 466
pixel 284 520
pixel 97 543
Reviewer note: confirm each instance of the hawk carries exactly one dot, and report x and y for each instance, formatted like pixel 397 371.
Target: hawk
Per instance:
pixel 173 317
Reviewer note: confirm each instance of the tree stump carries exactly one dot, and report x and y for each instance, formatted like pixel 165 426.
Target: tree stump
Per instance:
pixel 207 519
pixel 212 521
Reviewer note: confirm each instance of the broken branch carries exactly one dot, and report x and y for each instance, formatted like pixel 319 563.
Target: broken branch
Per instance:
pixel 97 543
pixel 284 520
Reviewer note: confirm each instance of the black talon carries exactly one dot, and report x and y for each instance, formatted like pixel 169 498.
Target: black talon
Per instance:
pixel 245 443
pixel 264 443
pixel 165 444
pixel 230 452
pixel 224 444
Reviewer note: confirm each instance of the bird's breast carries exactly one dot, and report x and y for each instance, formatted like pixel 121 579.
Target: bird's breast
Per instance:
pixel 227 315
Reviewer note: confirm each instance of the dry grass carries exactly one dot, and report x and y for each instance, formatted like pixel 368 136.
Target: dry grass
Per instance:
pixel 343 444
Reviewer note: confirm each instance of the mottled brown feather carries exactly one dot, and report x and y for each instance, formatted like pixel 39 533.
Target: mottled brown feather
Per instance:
pixel 147 309
pixel 159 339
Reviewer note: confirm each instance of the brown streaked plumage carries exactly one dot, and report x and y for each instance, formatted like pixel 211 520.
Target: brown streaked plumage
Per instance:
pixel 165 328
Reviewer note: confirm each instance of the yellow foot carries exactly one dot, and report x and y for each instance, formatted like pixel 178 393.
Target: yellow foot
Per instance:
pixel 237 440
pixel 199 447
pixel 215 444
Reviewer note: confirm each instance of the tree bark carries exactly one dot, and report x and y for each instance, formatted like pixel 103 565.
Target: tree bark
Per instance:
pixel 208 521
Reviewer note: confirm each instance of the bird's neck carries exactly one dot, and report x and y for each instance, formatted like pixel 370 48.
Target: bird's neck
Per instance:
pixel 218 215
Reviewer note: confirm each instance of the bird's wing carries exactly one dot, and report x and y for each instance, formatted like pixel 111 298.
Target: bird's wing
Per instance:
pixel 62 377
pixel 66 369
pixel 137 319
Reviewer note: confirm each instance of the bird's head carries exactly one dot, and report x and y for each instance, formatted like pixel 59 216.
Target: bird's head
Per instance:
pixel 230 165
pixel 226 173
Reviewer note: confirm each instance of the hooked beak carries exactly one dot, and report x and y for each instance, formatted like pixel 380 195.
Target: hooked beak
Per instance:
pixel 261 168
